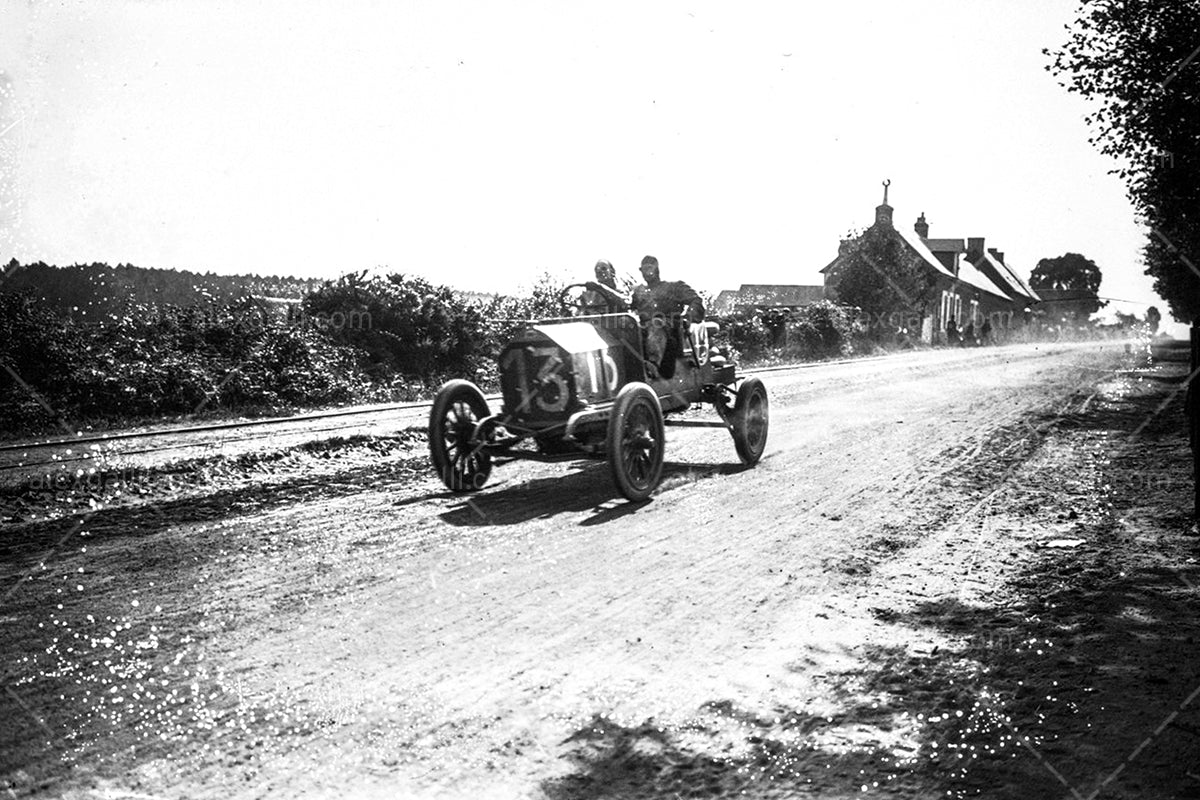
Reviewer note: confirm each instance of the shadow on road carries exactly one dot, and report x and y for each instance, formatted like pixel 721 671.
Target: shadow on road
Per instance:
pixel 588 487
pixel 647 761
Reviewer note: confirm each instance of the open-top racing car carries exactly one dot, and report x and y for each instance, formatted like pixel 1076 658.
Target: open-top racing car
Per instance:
pixel 579 387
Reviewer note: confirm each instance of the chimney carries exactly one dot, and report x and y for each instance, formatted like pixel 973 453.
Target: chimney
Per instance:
pixel 996 254
pixel 974 248
pixel 922 227
pixel 883 212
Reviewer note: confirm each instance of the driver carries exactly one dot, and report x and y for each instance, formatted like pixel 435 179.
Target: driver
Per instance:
pixel 659 304
pixel 601 296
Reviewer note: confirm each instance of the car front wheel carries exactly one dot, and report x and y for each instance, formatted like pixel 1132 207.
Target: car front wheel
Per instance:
pixel 751 417
pixel 636 441
pixel 461 463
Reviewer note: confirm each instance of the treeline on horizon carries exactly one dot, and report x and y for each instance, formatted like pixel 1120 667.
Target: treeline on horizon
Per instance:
pixel 99 289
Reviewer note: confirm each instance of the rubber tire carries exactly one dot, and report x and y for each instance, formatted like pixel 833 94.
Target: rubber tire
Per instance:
pixel 445 458
pixel 750 405
pixel 636 407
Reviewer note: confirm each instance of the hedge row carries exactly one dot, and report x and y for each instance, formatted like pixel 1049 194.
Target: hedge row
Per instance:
pixel 357 339
pixel 161 360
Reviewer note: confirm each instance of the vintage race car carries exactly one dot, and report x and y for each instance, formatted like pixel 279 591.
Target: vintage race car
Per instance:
pixel 577 387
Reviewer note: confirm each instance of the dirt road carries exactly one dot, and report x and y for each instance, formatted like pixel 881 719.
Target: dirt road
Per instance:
pixel 60 457
pixel 856 615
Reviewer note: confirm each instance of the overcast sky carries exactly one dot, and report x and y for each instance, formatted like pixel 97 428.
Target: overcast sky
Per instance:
pixel 482 143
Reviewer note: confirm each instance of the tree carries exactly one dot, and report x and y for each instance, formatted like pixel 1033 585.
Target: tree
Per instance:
pixel 1137 60
pixel 1153 317
pixel 1068 272
pixel 879 274
pixel 1070 283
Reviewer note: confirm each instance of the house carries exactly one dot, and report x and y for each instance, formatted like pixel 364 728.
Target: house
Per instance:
pixel 974 296
pixel 991 263
pixel 971 286
pixel 765 297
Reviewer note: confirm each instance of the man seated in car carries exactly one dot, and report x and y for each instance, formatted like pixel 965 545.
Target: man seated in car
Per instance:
pixel 660 305
pixel 601 296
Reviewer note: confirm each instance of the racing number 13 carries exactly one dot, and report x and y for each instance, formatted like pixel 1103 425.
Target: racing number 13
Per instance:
pixel 549 373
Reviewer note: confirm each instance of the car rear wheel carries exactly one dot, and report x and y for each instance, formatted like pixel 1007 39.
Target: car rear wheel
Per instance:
pixel 751 418
pixel 635 441
pixel 461 463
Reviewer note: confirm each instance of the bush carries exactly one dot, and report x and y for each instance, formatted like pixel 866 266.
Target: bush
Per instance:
pixel 505 316
pixel 403 326
pixel 820 330
pixel 154 360
pixel 748 336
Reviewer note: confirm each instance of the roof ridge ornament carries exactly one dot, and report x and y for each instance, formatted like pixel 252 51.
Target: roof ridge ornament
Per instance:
pixel 886 184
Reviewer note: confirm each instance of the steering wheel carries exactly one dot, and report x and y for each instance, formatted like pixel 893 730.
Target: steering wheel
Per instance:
pixel 574 304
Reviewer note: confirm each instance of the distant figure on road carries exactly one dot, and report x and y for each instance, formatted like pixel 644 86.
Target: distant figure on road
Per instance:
pixel 952 336
pixel 660 304
pixel 969 335
pixel 985 332
pixel 601 296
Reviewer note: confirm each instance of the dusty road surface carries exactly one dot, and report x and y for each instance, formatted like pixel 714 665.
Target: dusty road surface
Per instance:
pixel 56 459
pixel 956 574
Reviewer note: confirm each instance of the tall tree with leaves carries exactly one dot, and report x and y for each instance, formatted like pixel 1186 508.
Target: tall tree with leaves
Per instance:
pixel 1139 61
pixel 1070 283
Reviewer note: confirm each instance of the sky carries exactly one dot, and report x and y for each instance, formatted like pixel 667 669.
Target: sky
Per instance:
pixel 483 144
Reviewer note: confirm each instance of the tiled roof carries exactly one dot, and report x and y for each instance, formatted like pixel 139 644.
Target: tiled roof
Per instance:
pixel 1008 271
pixel 966 271
pixel 923 251
pixel 1001 278
pixel 725 302
pixel 946 245
pixel 766 294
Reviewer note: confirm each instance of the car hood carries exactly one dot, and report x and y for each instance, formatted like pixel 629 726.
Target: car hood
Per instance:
pixel 573 337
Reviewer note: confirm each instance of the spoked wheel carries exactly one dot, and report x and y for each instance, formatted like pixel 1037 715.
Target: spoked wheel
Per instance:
pixel 635 441
pixel 751 417
pixel 461 463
